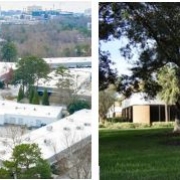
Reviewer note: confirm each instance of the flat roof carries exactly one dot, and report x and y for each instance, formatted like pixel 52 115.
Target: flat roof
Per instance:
pixel 57 136
pixel 139 99
pixel 14 108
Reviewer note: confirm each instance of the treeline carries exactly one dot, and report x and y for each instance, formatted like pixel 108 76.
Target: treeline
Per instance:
pixel 62 37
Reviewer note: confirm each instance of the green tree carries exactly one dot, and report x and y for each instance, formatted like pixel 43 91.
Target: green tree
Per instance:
pixel 150 27
pixel 29 70
pixel 31 95
pixel 167 78
pixel 77 105
pixel 35 99
pixel 26 163
pixel 45 98
pixel 20 94
pixel 9 52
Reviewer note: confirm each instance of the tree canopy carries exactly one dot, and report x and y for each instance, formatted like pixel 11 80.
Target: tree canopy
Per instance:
pixel 152 29
pixel 29 70
pixel 26 163
pixel 9 52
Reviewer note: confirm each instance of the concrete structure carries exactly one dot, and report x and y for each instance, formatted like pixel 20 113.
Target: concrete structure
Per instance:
pixel 79 79
pixel 58 138
pixel 138 109
pixel 29 115
pixel 69 62
pixel 115 110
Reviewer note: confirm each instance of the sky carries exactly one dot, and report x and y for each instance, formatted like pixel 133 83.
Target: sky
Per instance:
pixel 73 6
pixel 121 63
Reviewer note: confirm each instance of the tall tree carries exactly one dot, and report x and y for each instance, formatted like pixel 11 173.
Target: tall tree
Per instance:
pixel 153 29
pixel 20 94
pixel 45 98
pixel 167 78
pixel 29 70
pixel 31 94
pixel 9 52
pixel 35 99
pixel 26 163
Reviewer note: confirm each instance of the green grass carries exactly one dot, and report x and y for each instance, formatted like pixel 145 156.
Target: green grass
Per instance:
pixel 139 154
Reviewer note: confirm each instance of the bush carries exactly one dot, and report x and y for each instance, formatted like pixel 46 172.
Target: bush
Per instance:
pixel 163 124
pixel 118 119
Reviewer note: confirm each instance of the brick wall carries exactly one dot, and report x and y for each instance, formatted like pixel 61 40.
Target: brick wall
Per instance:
pixel 141 114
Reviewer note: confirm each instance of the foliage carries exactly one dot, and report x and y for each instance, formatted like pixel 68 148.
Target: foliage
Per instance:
pixel 45 98
pixel 77 105
pixel 139 154
pixel 26 163
pixel 149 28
pixel 31 94
pixel 106 100
pixel 20 94
pixel 9 52
pixel 2 85
pixel 50 39
pixel 29 70
pixel 35 99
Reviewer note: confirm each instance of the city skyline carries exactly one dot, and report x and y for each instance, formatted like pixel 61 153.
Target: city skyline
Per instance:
pixel 72 6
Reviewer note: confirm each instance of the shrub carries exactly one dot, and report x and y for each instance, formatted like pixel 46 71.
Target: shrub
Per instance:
pixel 163 124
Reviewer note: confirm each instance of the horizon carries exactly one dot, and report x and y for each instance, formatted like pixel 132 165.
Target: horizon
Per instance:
pixel 72 6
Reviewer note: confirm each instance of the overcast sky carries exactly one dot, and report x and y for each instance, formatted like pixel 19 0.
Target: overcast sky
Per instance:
pixel 73 6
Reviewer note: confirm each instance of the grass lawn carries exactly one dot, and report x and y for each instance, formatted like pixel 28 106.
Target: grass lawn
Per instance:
pixel 146 154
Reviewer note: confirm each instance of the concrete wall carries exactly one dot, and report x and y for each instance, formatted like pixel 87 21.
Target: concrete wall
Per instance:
pixel 141 114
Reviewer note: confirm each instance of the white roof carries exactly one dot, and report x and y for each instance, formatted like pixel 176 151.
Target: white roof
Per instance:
pixel 138 99
pixel 14 108
pixel 58 138
pixel 67 60
pixel 78 76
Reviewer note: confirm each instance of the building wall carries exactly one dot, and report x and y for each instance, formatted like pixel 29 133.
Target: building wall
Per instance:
pixel 141 114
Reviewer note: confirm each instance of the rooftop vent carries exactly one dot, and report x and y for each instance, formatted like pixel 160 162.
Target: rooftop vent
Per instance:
pixel 49 128
pixel 79 128
pixel 87 124
pixel 47 142
pixel 67 129
pixel 27 138
pixel 2 152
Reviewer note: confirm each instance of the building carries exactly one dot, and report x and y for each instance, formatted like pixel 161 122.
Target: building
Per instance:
pixel 115 110
pixel 28 114
pixel 69 62
pixel 79 78
pixel 30 9
pixel 70 133
pixel 139 109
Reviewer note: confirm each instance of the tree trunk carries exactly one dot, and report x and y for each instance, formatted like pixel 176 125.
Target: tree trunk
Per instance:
pixel 177 119
pixel 166 112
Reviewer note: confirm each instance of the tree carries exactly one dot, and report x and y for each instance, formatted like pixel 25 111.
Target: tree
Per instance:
pixel 106 99
pixel 29 70
pixel 9 52
pixel 35 99
pixel 170 91
pixel 45 98
pixel 26 163
pixel 150 27
pixel 77 105
pixel 31 94
pixel 20 94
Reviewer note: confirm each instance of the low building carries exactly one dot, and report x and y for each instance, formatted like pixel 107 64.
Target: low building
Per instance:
pixel 28 114
pixel 139 109
pixel 58 138
pixel 115 110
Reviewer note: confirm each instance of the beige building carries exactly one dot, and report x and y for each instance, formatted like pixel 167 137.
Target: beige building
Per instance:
pixel 137 109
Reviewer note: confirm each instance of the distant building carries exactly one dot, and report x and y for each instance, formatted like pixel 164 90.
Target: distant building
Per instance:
pixel 28 114
pixel 137 109
pixel 30 9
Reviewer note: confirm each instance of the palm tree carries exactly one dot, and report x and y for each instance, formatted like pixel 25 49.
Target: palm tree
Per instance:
pixel 167 78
